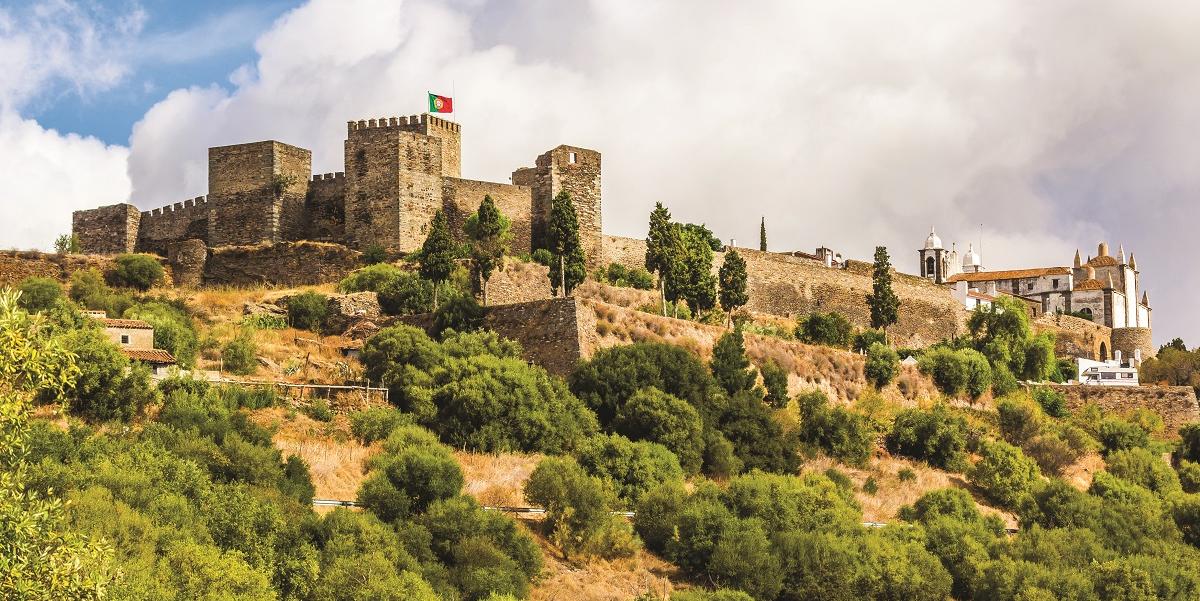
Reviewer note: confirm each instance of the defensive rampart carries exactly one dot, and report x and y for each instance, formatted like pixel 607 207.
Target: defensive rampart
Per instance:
pixel 1175 404
pixel 282 264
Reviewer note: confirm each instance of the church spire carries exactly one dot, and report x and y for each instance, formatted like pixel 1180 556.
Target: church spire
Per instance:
pixel 1078 264
pixel 1121 254
pixel 1132 262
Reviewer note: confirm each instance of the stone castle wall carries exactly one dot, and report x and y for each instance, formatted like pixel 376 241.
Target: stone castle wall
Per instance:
pixel 252 167
pixel 325 207
pixel 1175 404
pixel 280 264
pixel 461 198
pixel 1128 340
pixel 793 286
pixel 180 221
pixel 111 229
pixel 519 282
pixel 16 265
pixel 1074 336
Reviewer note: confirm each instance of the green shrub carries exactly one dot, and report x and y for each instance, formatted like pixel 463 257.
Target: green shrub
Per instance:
pixel 937 437
pixel 109 386
pixel 1143 468
pixel 828 329
pixel 1189 443
pixel 238 356
pixel 1004 473
pixel 947 368
pixel 406 294
pixel 882 364
pixel 578 510
pixel 906 475
pixel 376 423
pixel 308 310
pixel 867 338
pixel 372 278
pixel 39 294
pixel 655 416
pixel 141 272
pixel 1003 381
pixel 979 372
pixel 374 254
pixel 1189 476
pixel 630 468
pixel 461 314
pixel 760 442
pixel 410 481
pixel 1055 450
pixel 542 256
pixel 1051 401
pixel 730 367
pixel 265 321
pixel 88 289
pixel 1117 434
pixel 870 486
pixel 319 410
pixel 617 274
pixel 775 380
pixel 1019 420
pixel 615 374
pixel 839 433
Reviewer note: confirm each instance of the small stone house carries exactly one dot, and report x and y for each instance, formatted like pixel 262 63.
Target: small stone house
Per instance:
pixel 136 340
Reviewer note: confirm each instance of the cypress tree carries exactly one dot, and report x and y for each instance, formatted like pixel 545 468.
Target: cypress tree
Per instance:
pixel 488 231
pixel 882 299
pixel 729 365
pixel 662 241
pixel 563 238
pixel 437 254
pixel 762 235
pixel 732 279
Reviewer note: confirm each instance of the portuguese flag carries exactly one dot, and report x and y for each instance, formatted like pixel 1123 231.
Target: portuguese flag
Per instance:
pixel 440 104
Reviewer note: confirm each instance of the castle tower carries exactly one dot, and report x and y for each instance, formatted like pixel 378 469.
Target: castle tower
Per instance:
pixel 394 171
pixel 256 193
pixel 573 170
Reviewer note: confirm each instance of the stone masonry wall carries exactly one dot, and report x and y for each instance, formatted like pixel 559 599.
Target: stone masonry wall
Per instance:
pixel 461 198
pixel 519 282
pixel 16 265
pixel 243 219
pixel 1175 404
pixel 792 286
pixel 111 229
pixel 284 263
pixel 1127 340
pixel 163 226
pixel 187 260
pixel 325 207
pixel 252 166
pixel 1074 336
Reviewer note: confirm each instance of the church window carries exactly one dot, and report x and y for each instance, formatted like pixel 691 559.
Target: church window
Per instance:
pixel 930 267
pixel 1055 282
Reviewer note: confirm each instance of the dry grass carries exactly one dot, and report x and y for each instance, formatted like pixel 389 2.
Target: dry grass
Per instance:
pixel 602 580
pixel 496 479
pixel 335 460
pixel 894 493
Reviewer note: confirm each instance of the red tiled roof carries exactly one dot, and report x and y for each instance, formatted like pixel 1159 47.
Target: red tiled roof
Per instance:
pixel 1092 284
pixel 136 324
pixel 1012 274
pixel 150 356
pixel 1105 261
pixel 980 295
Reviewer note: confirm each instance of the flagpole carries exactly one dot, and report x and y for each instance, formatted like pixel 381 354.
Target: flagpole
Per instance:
pixel 453 113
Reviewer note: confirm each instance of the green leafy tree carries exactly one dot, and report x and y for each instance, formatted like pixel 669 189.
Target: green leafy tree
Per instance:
pixel 630 468
pixel 461 314
pixel 173 329
pixel 438 253
pixel 39 294
pixel 374 254
pixel 662 244
pixel 489 235
pixel 937 436
pixel 692 280
pixel 729 364
pixel 137 271
pixel 108 386
pixel 882 300
pixel 655 416
pixel 947 368
pixel 42 558
pixel 562 238
pixel 67 244
pixel 406 294
pixel 1004 473
pixel 835 431
pixel 371 278
pixel 762 234
pixel 578 510
pixel 732 280
pixel 828 329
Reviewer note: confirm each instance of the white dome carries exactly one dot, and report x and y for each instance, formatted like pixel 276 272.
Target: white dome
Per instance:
pixel 933 241
pixel 971 259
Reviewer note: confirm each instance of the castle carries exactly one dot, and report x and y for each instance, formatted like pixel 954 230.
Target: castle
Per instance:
pixel 1104 289
pixel 399 172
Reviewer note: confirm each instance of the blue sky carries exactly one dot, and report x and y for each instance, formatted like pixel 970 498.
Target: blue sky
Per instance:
pixel 181 44
pixel 1055 125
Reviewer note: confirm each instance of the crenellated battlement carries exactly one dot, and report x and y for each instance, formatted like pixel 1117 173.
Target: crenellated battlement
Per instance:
pixel 319 177
pixel 187 206
pixel 419 123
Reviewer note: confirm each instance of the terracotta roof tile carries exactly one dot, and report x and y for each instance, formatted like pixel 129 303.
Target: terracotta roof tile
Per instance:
pixel 1012 274
pixel 150 356
pixel 1092 284
pixel 136 324
pixel 1105 261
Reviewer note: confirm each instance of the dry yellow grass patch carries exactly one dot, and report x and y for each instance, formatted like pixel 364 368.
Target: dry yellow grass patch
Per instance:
pixel 894 493
pixel 496 479
pixel 1080 473
pixel 335 460
pixel 602 580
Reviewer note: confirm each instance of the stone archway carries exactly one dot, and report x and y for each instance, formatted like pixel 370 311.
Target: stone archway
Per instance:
pixel 1103 352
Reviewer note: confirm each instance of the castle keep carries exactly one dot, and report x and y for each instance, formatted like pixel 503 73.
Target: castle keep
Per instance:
pixel 399 172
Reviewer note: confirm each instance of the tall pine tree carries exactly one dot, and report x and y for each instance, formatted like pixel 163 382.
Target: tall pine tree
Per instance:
pixel 488 231
pixel 567 270
pixel 730 367
pixel 882 299
pixel 691 279
pixel 662 246
pixel 732 280
pixel 762 235
pixel 438 254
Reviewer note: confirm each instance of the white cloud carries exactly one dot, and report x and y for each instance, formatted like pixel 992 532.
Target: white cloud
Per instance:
pixel 47 175
pixel 846 124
